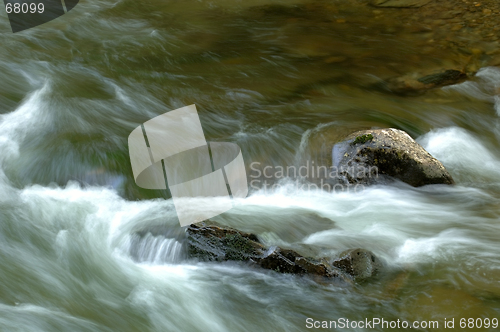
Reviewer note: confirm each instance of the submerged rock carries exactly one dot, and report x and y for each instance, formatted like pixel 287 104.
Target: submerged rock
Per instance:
pixel 409 85
pixel 381 155
pixel 210 242
pixel 400 3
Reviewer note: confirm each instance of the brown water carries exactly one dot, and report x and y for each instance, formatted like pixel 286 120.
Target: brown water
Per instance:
pixel 283 80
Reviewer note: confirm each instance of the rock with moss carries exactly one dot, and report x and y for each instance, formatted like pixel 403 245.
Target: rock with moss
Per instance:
pixel 380 156
pixel 209 242
pixel 362 139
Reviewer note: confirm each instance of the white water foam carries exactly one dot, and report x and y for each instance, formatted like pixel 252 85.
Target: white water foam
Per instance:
pixel 466 157
pixel 486 87
pixel 31 114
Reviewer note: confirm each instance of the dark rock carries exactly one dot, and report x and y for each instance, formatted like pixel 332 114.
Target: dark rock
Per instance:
pixel 381 155
pixel 359 263
pixel 281 260
pixel 214 243
pixel 400 3
pixel 409 85
pixel 217 243
pixel 447 77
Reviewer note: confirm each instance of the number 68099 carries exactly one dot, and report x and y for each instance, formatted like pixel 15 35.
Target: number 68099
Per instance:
pixel 24 8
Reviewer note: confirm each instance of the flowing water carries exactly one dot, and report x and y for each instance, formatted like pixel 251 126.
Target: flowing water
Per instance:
pixel 82 248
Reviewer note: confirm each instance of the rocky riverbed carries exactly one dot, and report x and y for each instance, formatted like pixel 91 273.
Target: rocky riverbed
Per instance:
pixel 434 36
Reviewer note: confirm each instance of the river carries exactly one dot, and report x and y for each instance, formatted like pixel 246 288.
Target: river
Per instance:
pixel 283 80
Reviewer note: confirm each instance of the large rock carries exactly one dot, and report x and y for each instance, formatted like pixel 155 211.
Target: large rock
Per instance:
pixel 400 3
pixel 209 242
pixel 381 155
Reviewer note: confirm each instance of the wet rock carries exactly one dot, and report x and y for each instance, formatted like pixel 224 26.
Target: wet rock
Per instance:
pixel 400 3
pixel 280 260
pixel 382 155
pixel 409 85
pixel 214 243
pixel 447 77
pixel 217 243
pixel 289 261
pixel 359 263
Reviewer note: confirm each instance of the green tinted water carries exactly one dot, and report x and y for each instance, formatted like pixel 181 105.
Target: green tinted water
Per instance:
pixel 282 80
